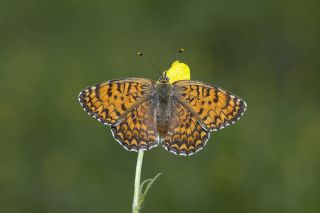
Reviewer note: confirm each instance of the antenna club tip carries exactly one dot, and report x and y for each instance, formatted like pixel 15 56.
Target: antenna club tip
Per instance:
pixel 180 50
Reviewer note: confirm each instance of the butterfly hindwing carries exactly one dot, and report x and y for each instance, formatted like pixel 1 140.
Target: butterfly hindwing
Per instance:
pixel 109 101
pixel 138 129
pixel 185 134
pixel 215 107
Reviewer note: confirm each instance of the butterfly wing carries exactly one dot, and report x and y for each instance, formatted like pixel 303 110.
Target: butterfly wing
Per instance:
pixel 108 102
pixel 215 107
pixel 138 129
pixel 185 135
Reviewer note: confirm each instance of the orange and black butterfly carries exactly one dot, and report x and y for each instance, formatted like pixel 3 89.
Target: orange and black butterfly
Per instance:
pixel 144 113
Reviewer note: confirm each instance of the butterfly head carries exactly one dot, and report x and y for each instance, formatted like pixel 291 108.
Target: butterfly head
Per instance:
pixel 164 79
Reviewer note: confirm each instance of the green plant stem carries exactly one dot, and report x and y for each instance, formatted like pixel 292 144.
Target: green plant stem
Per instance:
pixel 136 194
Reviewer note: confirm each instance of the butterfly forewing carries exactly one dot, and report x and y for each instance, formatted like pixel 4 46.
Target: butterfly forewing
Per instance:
pixel 214 107
pixel 185 134
pixel 138 130
pixel 109 101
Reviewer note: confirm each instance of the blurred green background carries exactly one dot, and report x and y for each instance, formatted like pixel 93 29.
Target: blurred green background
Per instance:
pixel 55 158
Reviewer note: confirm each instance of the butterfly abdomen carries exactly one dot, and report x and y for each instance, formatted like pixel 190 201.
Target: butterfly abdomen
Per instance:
pixel 163 109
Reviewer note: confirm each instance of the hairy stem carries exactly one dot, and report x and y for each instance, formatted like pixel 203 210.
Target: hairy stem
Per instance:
pixel 136 194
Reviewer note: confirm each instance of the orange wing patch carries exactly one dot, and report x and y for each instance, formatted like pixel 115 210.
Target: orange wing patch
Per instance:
pixel 215 107
pixel 185 135
pixel 138 130
pixel 109 101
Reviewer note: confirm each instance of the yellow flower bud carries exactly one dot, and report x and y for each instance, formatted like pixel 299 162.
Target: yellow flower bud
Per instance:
pixel 178 71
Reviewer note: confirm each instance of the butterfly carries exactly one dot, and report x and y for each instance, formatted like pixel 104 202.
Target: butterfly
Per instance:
pixel 178 115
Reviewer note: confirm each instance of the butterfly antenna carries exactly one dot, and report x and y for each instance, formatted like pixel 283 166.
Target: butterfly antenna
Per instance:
pixel 180 51
pixel 176 55
pixel 152 64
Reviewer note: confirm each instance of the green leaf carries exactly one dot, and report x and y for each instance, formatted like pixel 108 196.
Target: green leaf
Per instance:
pixel 144 188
